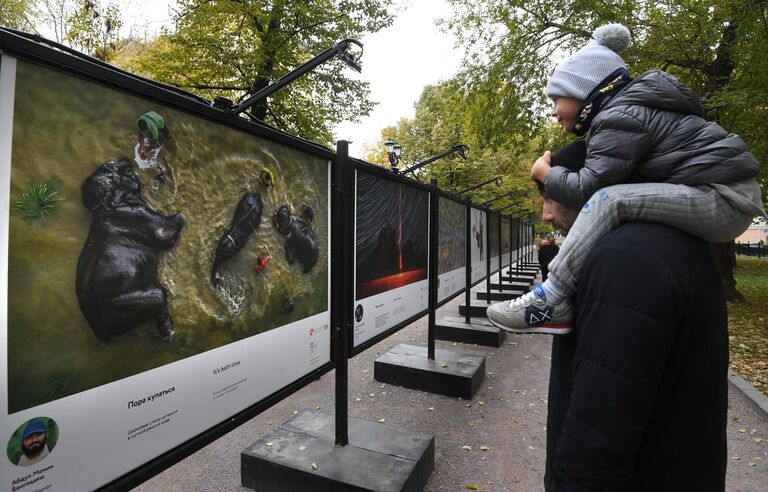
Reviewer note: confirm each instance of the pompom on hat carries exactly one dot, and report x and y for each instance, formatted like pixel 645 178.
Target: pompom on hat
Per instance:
pixel 578 75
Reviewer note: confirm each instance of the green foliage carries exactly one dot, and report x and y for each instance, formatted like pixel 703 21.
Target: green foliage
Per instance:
pixel 748 322
pixel 716 47
pixel 94 29
pixel 233 48
pixel 39 201
pixel 497 103
pixel 18 14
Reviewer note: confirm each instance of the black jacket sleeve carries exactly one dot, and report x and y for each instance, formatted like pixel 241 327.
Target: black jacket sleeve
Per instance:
pixel 626 326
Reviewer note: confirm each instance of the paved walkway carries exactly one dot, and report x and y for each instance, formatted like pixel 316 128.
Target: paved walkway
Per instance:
pixel 507 415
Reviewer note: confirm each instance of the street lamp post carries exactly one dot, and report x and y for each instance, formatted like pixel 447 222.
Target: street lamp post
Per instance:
pixel 393 154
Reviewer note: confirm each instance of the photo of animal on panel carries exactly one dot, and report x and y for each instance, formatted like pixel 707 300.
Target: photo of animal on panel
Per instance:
pixel 392 235
pixel 494 233
pixel 142 235
pixel 451 236
pixel 477 244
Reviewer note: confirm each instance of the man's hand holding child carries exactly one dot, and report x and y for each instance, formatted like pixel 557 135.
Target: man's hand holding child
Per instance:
pixel 541 167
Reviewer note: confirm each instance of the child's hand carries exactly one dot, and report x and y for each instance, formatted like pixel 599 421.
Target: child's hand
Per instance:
pixel 541 167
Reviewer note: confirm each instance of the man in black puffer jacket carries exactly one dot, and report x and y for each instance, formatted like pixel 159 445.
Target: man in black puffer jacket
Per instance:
pixel 638 391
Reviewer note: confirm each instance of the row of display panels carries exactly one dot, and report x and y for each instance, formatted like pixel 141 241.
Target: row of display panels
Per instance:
pixel 391 251
pixel 162 271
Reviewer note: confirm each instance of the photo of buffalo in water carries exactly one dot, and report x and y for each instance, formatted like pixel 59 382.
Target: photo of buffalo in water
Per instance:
pixel 392 235
pixel 141 234
pixel 245 222
pixel 117 285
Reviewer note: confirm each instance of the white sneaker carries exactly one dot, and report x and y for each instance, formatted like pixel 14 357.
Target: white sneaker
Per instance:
pixel 530 313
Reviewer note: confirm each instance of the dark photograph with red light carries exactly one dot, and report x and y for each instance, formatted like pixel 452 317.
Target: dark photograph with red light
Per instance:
pixel 392 235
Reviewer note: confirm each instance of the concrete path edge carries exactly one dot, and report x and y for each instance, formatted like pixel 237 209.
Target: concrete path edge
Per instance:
pixel 755 398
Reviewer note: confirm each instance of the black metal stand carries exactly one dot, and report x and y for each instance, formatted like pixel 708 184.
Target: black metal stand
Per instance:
pixel 441 371
pixel 355 454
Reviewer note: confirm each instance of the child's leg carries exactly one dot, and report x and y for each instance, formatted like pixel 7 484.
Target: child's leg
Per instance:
pixel 700 211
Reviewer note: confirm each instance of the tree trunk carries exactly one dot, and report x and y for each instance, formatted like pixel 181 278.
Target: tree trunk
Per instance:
pixel 718 74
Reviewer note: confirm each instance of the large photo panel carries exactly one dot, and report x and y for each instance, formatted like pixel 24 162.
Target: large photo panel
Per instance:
pixel 164 271
pixel 478 246
pixel 391 254
pixel 493 247
pixel 451 248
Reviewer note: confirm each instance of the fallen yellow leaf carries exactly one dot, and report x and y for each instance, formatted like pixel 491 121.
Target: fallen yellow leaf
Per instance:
pixel 472 486
pixel 466 448
pixel 381 421
pixel 314 466
pixel 484 448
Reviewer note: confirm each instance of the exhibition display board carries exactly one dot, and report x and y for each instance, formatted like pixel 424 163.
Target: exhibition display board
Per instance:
pixel 494 239
pixel 391 254
pixel 478 246
pixel 167 269
pixel 160 272
pixel 451 247
pixel 505 242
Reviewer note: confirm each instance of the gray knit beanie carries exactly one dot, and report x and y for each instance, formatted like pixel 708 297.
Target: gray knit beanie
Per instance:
pixel 578 75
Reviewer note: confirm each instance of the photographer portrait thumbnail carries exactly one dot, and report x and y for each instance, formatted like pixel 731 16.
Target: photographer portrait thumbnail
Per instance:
pixel 32 441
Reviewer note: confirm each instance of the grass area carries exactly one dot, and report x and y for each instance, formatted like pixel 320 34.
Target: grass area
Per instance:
pixel 748 323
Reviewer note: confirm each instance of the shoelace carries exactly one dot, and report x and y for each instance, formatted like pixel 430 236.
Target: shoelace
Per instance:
pixel 522 300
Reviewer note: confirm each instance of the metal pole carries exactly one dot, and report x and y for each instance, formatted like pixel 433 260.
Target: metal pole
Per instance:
pixel 487 256
pixel 486 203
pixel 342 281
pixel 501 289
pixel 530 243
pixel 511 243
pixel 339 49
pixel 508 206
pixel 480 185
pixel 460 148
pixel 434 217
pixel 468 259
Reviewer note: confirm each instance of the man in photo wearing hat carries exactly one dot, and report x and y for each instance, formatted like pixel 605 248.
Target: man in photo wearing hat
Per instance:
pixel 33 443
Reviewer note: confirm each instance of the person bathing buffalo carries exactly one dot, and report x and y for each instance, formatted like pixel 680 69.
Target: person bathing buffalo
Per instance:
pixel 117 274
pixel 300 239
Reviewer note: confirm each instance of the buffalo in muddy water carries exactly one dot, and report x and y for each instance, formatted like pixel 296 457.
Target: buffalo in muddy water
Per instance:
pixel 117 273
pixel 300 240
pixel 245 221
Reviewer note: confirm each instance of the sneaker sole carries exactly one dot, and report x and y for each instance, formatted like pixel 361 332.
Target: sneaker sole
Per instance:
pixel 546 329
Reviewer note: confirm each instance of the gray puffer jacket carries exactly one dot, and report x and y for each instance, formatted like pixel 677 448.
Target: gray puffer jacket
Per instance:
pixel 654 131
